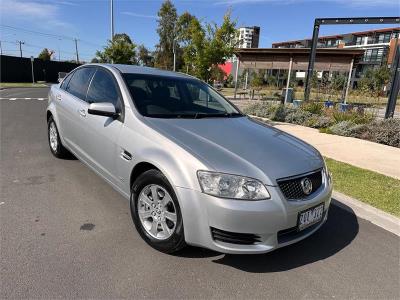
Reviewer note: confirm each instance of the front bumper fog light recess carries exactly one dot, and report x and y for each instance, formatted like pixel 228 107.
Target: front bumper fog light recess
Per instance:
pixel 232 186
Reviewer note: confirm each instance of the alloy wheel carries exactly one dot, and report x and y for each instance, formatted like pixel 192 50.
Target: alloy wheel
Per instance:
pixel 53 136
pixel 157 212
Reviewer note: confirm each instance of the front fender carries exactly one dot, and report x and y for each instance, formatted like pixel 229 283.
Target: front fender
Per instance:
pixel 180 170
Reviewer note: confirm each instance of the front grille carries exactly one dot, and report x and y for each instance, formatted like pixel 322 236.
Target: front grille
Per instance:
pixel 234 237
pixel 292 189
pixel 293 233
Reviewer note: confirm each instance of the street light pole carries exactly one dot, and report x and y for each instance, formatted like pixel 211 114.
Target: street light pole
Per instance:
pixel 76 51
pixel 112 20
pixel 173 50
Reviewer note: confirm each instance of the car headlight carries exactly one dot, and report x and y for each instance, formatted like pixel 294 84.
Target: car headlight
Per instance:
pixel 328 175
pixel 232 186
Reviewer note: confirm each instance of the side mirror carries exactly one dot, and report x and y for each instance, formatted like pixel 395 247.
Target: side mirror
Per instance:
pixel 105 109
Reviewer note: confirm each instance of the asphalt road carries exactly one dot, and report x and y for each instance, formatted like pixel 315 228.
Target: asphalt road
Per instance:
pixel 65 233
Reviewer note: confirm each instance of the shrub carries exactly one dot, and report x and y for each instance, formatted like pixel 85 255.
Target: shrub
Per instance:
pixel 281 113
pixel 384 132
pixel 260 109
pixel 346 128
pixel 316 108
pixel 298 116
pixel 352 116
pixel 319 121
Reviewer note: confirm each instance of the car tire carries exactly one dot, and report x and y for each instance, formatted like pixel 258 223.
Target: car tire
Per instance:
pixel 145 216
pixel 55 144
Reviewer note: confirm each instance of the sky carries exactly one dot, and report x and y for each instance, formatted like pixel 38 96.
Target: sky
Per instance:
pixel 54 24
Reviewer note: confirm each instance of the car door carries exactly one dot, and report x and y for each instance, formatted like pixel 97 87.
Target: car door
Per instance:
pixel 101 132
pixel 72 107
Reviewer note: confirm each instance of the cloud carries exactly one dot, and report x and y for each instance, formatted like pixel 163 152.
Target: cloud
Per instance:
pixel 132 14
pixel 39 13
pixel 355 3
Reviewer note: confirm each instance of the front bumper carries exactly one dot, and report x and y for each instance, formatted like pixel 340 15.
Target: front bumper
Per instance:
pixel 265 218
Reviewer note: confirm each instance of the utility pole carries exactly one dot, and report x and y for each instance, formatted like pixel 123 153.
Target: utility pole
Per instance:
pixel 1 49
pixel 59 53
pixel 20 47
pixel 112 20
pixel 76 50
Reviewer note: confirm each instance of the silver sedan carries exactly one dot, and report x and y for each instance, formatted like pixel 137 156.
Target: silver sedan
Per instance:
pixel 195 169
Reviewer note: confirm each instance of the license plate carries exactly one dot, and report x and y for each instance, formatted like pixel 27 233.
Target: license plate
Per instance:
pixel 310 216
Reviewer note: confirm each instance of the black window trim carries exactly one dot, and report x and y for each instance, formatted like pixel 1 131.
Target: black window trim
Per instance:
pixel 121 116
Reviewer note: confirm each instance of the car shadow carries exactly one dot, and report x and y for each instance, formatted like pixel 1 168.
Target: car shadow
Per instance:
pixel 338 232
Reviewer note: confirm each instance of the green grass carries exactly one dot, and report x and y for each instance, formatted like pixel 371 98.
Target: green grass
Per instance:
pixel 378 190
pixel 20 84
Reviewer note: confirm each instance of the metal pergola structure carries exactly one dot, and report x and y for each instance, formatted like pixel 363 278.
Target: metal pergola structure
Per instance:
pixel 395 80
pixel 295 59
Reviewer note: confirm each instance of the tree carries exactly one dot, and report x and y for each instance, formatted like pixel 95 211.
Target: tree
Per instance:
pixel 374 79
pixel 144 57
pixel 229 81
pixel 183 28
pixel 167 20
pixel 217 74
pixel 314 82
pixel 121 50
pixel 45 54
pixel 257 81
pixel 338 82
pixel 271 81
pixel 207 47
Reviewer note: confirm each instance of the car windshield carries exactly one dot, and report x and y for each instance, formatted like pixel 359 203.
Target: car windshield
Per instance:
pixel 171 97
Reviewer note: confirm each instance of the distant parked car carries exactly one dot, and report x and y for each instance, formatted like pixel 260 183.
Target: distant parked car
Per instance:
pixel 194 168
pixel 61 76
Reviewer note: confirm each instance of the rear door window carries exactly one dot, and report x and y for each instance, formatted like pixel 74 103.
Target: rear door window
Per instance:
pixel 79 82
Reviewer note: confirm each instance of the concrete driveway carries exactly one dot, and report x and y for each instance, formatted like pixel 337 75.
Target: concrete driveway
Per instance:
pixel 65 233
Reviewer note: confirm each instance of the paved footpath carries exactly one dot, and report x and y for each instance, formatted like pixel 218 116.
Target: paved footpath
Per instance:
pixel 364 154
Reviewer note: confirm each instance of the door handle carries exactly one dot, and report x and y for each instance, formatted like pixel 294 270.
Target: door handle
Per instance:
pixel 126 155
pixel 58 97
pixel 82 112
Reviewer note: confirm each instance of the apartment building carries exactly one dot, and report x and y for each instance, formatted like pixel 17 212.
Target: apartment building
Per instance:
pixel 378 45
pixel 249 37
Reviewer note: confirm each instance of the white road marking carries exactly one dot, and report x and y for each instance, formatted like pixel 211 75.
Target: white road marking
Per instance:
pixel 14 99
pixel 1 203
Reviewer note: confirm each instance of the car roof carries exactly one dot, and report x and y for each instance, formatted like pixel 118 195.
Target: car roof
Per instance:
pixel 132 69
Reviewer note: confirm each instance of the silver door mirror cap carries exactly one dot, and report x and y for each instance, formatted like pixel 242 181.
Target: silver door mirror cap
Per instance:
pixel 105 109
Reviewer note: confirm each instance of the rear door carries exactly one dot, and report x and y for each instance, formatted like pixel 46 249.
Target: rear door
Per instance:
pixel 72 107
pixel 100 137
